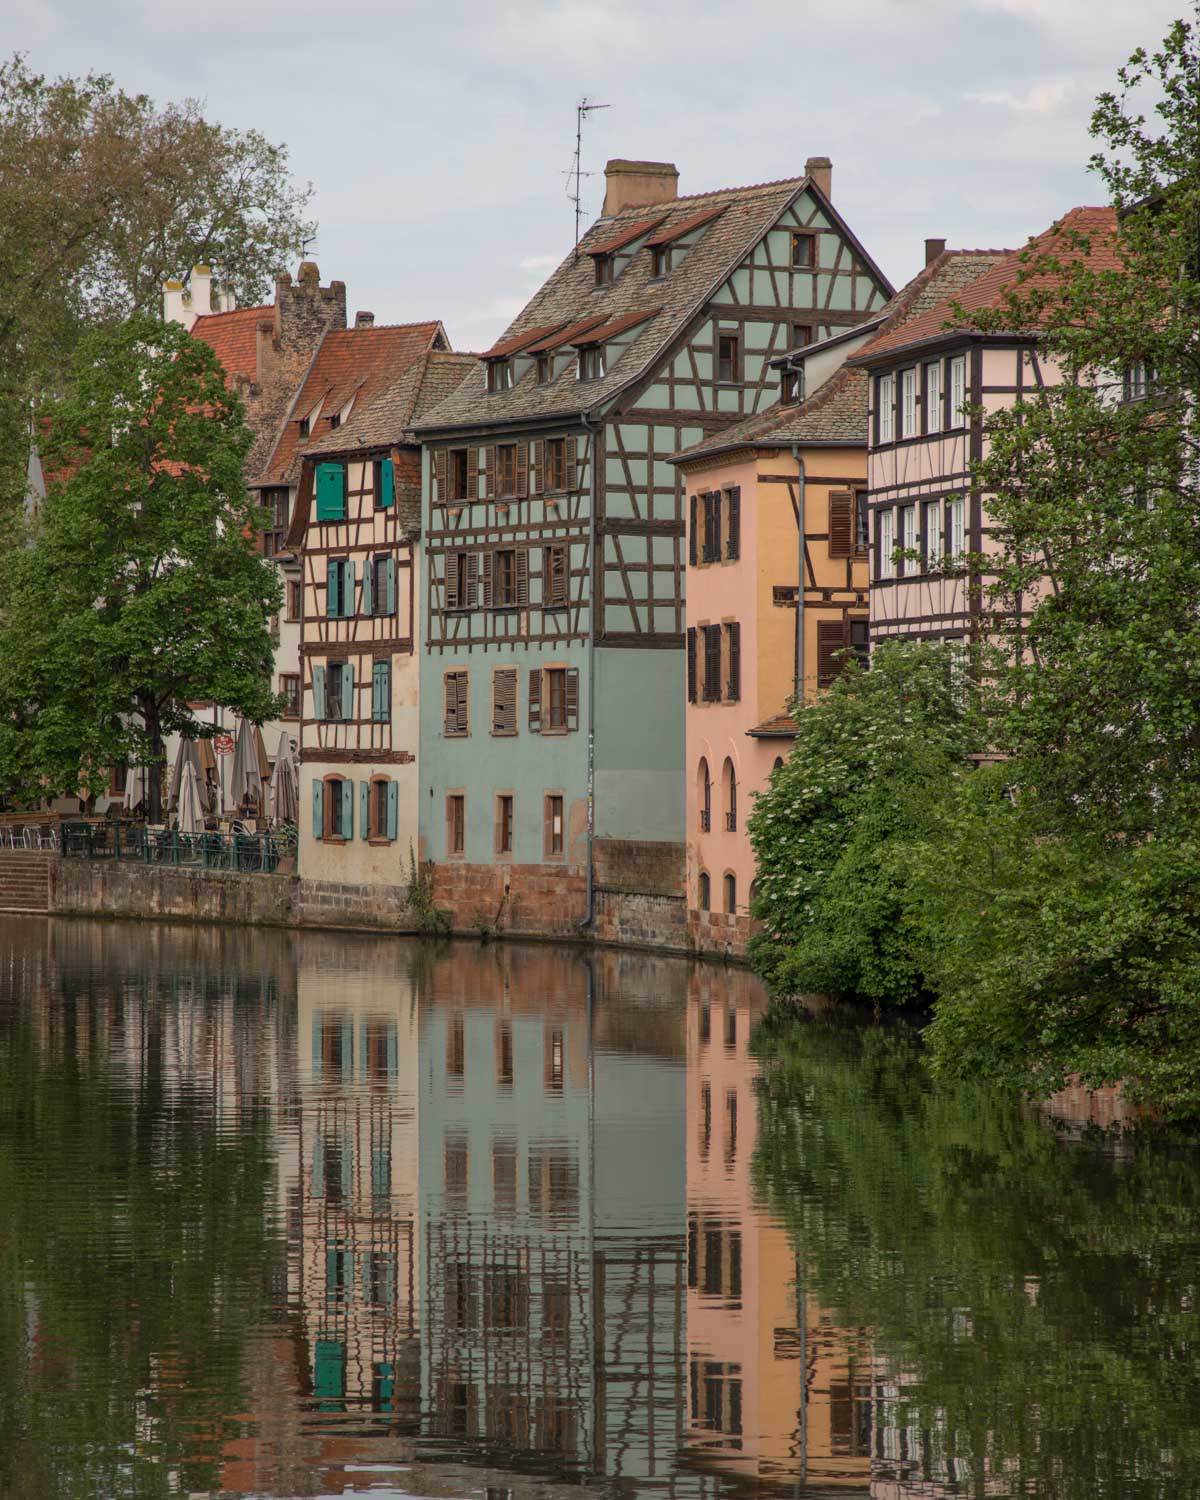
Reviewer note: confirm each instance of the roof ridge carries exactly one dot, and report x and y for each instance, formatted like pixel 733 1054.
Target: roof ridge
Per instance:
pixel 232 312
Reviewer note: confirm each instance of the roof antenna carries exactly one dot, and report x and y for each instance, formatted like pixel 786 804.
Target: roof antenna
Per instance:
pixel 581 109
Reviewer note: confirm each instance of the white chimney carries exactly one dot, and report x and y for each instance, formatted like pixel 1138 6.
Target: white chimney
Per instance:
pixel 174 310
pixel 200 287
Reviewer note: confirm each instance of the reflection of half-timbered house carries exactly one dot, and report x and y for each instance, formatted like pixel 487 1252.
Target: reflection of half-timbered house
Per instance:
pixel 554 529
pixel 354 529
pixel 933 382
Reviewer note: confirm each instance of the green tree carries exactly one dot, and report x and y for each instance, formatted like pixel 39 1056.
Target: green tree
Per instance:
pixel 140 589
pixel 834 833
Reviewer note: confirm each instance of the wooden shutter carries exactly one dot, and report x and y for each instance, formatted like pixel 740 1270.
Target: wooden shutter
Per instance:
pixel 368 590
pixel 841 523
pixel 450 703
pixel 554 576
pixel 364 809
pixel 539 467
pixel 440 473
pixel 735 661
pixel 485 591
pixel 330 485
pixel 522 470
pixel 488 458
pixel 522 569
pixel 572 676
pixel 497 823
pixel 348 691
pixel 504 701
pixel 693 550
pixel 387 483
pixel 348 600
pixel 333 579
pixel 451 580
pixel 570 462
pixel 535 700
pixel 472 581
pixel 393 808
pixel 347 829
pixel 733 541
pixel 831 639
pixel 691 664
pixel 462 717
pixel 318 808
pixel 389 580
pixel 472 474
pixel 318 687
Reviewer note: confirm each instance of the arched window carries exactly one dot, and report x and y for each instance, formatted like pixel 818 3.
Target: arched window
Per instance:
pixel 778 766
pixel 729 785
pixel 704 795
pixel 704 898
pixel 753 892
pixel 730 892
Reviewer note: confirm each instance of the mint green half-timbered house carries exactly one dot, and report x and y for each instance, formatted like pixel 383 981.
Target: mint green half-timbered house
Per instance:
pixel 555 535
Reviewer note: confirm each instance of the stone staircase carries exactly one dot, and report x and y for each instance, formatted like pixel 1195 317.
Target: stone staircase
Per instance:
pixel 24 880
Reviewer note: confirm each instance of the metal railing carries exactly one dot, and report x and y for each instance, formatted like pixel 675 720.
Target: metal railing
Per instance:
pixel 244 852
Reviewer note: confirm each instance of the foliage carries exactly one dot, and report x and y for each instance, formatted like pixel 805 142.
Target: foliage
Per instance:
pixel 140 590
pixel 835 831
pixel 1029 1302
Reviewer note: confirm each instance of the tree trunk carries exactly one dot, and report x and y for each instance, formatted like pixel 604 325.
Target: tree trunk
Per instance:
pixel 150 716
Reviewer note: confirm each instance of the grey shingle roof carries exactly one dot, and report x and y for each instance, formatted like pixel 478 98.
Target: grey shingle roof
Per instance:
pixel 424 385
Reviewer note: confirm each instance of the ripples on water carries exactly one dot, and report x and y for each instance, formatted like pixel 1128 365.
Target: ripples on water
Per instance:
pixel 299 1215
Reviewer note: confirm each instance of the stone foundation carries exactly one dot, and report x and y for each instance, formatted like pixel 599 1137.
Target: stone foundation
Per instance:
pixel 514 900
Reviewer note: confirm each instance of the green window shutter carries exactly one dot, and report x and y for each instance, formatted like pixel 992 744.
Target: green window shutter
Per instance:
pixel 348 692
pixel 381 692
pixel 329 1369
pixel 393 812
pixel 318 692
pixel 348 586
pixel 387 484
pixel 318 809
pixel 390 586
pixel 333 589
pixel 364 809
pixel 330 484
pixel 347 809
pixel 368 592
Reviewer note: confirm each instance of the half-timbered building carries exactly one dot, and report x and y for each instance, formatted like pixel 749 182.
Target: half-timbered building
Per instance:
pixel 933 383
pixel 764 627
pixel 354 531
pixel 555 533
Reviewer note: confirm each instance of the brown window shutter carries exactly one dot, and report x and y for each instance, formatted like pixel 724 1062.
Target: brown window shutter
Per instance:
pixel 554 583
pixel 734 632
pixel 831 639
pixel 535 699
pixel 449 825
pixel 571 463
pixel 450 704
pixel 733 536
pixel 488 455
pixel 546 843
pixel 485 582
pixel 841 523
pixel 522 470
pixel 522 577
pixel 497 824
pixel 504 701
pixel 691 664
pixel 472 473
pixel 451 565
pixel 472 598
pixel 572 698
pixel 693 553
pixel 463 721
pixel 539 467
pixel 439 473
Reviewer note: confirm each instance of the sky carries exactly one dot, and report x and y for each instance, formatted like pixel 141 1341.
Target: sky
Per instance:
pixel 438 137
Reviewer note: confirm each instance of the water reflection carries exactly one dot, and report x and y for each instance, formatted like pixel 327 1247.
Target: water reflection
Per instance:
pixel 296 1215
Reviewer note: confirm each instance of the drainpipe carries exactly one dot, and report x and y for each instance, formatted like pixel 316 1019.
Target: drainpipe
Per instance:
pixel 593 426
pixel 799 573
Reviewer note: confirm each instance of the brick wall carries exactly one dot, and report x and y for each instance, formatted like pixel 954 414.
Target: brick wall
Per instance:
pixel 123 888
pixel 639 920
pixel 327 903
pixel 719 934
pixel 538 900
pixel 640 867
pixel 305 309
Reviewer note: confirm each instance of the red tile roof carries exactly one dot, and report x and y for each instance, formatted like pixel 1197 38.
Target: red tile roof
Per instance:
pixel 615 326
pixel 520 341
pixel 233 337
pixel 685 226
pixel 777 727
pixel 625 236
pixel 567 334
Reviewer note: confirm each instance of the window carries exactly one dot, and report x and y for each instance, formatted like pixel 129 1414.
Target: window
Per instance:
pixel 733 523
pixel 728 358
pixel 729 783
pixel 958 390
pixel 733 661
pixel 885 397
pixel 329 486
pixel 791 387
pixel 456 691
pixel 862 524
pixel 661 260
pixel 841 523
pixel 556 465
pixel 931 534
pixel 956 537
pixel 908 539
pixel 831 650
pixel 703 891
pixel 860 642
pixel 506 470
pixel 592 362
pixel 691 664
pixel 932 404
pixel 289 686
pixel 887 543
pixel 338 686
pixel 704 796
pixel 908 403
pixel 333 808
pixel 499 375
pixel 730 893
pixel 295 599
pixel 335 419
pixel 604 269
pixel 276 501
pixel 462 579
pixel 381 593
pixel 383 484
pixel 382 798
pixel 553 837
pixel 802 335
pixel 381 692
pixel 303 424
pixel 1137 381
pixel 456 823
pixel 711 635
pixel 456 480
pixel 554 577
pixel 803 251
pixel 339 588
pixel 504 823
pixel 505 593
pixel 545 369
pixel 553 700
pixel 504 701
pixel 556 699
pixel 712 527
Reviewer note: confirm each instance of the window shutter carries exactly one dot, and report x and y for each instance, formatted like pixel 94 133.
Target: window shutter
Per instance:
pixel 393 808
pixel 440 470
pixel 693 551
pixel 486 580
pixel 347 811
pixel 450 703
pixel 715 497
pixel 522 470
pixel 735 662
pixel 333 578
pixel 330 484
pixel 472 581
pixel 389 575
pixel 539 467
pixel 451 566
pixel 691 664
pixel 841 523
pixel 472 474
pixel 570 462
pixel 522 560
pixel 497 823
pixel 364 809
pixel 504 701
pixel 368 591
pixel 318 809
pixel 348 691
pixel 348 583
pixel 535 699
pixel 488 455
pixel 462 719
pixel 733 542
pixel 831 638
pixel 387 482
pixel 572 698
pixel 318 687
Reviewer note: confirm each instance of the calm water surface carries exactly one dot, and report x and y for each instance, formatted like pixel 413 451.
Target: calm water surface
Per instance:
pixel 297 1215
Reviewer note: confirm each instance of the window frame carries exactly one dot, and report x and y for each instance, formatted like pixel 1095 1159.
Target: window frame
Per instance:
pixel 294 601
pixel 862 522
pixel 908 412
pixel 957 419
pixel 592 363
pixel 732 337
pixel 660 264
pixel 499 376
pixel 505 807
pixel 549 851
pixel 291 707
pixel 885 408
pixel 457 468
pixel 509 730
pixel 932 397
pixel 885 567
pixel 808 260
pixel 334 690
pixel 456 824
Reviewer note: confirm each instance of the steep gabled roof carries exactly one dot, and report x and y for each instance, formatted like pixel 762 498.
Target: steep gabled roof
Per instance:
pixel 988 290
pixel 385 420
pixel 358 362
pixel 233 337
pixel 836 413
pixel 739 217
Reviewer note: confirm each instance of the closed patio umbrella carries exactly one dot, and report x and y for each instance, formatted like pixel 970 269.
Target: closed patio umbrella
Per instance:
pixel 137 788
pixel 285 804
pixel 191 811
pixel 245 779
pixel 188 754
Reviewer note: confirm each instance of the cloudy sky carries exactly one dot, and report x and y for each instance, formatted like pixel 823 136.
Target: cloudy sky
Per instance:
pixel 437 136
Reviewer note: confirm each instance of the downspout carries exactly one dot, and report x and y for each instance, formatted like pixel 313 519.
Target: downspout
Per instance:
pixel 799 573
pixel 592 426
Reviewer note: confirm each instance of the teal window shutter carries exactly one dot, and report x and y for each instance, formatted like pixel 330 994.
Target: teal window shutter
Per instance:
pixel 330 485
pixel 387 484
pixel 390 570
pixel 333 589
pixel 381 692
pixel 348 588
pixel 368 598
pixel 348 693
pixel 347 809
pixel 329 1369
pixel 318 809
pixel 393 809
pixel 364 809
pixel 318 693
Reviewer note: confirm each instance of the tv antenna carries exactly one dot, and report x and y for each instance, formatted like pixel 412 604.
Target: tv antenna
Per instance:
pixel 583 108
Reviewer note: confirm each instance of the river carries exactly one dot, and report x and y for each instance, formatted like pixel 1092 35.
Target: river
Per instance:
pixel 300 1215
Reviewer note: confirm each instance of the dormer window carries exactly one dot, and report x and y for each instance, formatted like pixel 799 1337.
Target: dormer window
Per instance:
pixel 303 425
pixel 335 419
pixel 591 362
pixel 791 387
pixel 544 369
pixel 604 270
pixel 662 260
pixel 499 375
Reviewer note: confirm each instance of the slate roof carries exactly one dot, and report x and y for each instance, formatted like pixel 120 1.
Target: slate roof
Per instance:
pixel 988 289
pixel 233 337
pixel 836 413
pixel 570 296
pixel 358 362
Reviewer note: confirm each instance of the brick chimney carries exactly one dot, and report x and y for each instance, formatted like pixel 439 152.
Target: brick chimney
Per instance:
pixel 934 248
pixel 820 170
pixel 639 184
pixel 364 320
pixel 304 309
